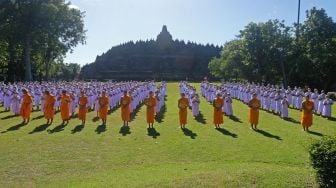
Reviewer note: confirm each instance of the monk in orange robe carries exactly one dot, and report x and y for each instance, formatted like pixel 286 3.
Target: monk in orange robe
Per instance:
pixel 150 103
pixel 65 107
pixel 82 107
pixel 26 106
pixel 183 104
pixel 48 108
pixel 254 105
pixel 307 113
pixel 103 107
pixel 125 102
pixel 218 104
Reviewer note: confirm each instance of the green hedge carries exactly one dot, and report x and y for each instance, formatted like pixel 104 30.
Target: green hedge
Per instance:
pixel 323 160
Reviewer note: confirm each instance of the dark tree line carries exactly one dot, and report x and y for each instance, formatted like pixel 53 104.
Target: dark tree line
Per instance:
pixel 271 52
pixel 35 36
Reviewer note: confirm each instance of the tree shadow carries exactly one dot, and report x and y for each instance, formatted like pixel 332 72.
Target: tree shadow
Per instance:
pixel 235 119
pixel 77 129
pixel 124 130
pixel 289 119
pixel 57 129
pixel 38 117
pixel 267 134
pixel 200 118
pixel 40 128
pixel 153 133
pixel 315 133
pixel 134 113
pixel 161 115
pixel 100 129
pixel 226 132
pixel 14 128
pixel 9 117
pixel 189 133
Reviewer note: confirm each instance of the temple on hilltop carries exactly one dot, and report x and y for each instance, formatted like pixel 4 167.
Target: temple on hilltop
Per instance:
pixel 160 59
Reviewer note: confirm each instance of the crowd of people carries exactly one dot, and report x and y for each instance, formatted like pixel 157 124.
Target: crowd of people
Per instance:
pixel 270 98
pixel 71 97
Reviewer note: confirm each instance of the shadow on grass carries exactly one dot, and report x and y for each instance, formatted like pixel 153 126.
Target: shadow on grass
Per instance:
pixel 124 130
pixel 100 129
pixel 4 111
pixel 113 110
pixel 315 133
pixel 38 117
pixel 161 115
pixel 152 133
pixel 200 118
pixel 14 128
pixel 135 112
pixel 235 119
pixel 77 129
pixel 95 119
pixel 292 120
pixel 332 119
pixel 40 128
pixel 9 117
pixel 267 134
pixel 226 132
pixel 74 116
pixel 57 129
pixel 189 133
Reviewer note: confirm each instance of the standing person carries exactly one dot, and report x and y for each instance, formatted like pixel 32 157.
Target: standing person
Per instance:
pixel 327 103
pixel 183 110
pixel 195 105
pixel 307 113
pixel 254 105
pixel 284 107
pixel 82 107
pixel 218 104
pixel 151 103
pixel 15 103
pixel 48 108
pixel 103 107
pixel 228 103
pixel 65 101
pixel 26 106
pixel 125 102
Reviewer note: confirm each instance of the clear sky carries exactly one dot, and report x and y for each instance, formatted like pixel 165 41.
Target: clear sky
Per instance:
pixel 112 22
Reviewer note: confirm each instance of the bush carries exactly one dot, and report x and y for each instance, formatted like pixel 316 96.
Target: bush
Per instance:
pixel 332 95
pixel 323 159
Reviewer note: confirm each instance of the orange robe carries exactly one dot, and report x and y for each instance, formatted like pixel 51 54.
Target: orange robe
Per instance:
pixel 217 112
pixel 103 104
pixel 48 109
pixel 82 109
pixel 150 103
pixel 254 105
pixel 26 106
pixel 307 113
pixel 125 107
pixel 65 107
pixel 183 106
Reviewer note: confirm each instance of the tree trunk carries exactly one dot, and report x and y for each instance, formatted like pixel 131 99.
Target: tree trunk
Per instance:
pixel 27 62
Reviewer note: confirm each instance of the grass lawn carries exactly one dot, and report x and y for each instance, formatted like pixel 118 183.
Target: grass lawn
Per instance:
pixel 94 156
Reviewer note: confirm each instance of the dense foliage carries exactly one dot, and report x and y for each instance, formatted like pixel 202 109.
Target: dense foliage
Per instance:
pixel 163 58
pixel 271 52
pixel 323 160
pixel 35 35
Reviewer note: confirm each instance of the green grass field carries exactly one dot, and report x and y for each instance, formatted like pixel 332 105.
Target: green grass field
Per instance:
pixel 201 156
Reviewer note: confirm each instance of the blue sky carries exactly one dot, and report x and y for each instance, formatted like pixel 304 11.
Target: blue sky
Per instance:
pixel 112 22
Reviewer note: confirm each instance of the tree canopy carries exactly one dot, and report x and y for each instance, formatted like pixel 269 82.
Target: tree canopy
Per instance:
pixel 269 52
pixel 35 35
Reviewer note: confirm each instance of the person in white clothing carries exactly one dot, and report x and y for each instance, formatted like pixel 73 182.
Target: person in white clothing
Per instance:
pixel 284 107
pixel 195 105
pixel 327 103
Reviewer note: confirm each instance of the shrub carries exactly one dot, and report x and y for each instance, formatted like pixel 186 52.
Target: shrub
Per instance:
pixel 332 95
pixel 323 159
